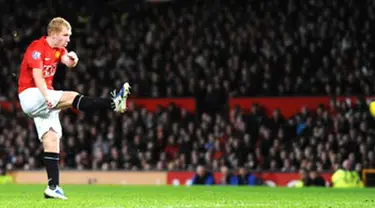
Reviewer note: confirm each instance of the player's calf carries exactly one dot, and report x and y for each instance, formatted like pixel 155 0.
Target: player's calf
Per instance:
pixel 116 103
pixel 51 157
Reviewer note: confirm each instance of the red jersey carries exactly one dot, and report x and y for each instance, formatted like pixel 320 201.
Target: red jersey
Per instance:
pixel 39 55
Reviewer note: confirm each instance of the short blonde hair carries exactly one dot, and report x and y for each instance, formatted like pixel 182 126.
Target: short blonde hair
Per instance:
pixel 56 24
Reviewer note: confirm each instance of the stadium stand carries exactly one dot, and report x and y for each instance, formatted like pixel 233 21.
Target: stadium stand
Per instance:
pixel 210 52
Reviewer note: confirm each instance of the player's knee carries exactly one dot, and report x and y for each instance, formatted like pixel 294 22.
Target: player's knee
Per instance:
pixel 51 142
pixel 69 96
pixel 74 94
pixel 67 99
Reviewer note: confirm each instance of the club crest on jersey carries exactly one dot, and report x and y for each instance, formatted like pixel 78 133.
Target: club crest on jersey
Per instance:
pixel 35 55
pixel 57 54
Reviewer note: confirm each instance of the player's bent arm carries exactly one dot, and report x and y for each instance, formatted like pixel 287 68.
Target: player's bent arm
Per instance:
pixel 70 59
pixel 39 81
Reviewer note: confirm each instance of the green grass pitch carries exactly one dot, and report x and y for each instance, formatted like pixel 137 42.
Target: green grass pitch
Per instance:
pixel 99 196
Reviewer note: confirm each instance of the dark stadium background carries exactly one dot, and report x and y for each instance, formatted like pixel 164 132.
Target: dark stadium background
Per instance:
pixel 272 86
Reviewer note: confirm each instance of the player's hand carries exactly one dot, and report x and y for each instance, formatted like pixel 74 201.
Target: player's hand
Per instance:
pixel 49 103
pixel 73 56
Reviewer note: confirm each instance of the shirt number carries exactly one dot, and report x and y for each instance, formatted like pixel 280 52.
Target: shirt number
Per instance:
pixel 49 70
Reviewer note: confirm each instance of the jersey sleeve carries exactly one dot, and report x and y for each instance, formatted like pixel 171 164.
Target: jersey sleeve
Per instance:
pixel 34 57
pixel 61 52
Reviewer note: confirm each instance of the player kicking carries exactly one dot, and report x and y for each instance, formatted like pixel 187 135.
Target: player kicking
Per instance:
pixel 41 102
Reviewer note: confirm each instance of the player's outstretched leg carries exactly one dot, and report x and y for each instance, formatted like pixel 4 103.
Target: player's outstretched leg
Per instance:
pixel 85 103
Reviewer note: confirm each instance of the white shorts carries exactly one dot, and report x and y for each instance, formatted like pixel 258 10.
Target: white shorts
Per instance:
pixel 34 105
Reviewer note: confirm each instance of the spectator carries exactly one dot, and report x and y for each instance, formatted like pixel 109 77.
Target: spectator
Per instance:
pixel 4 177
pixel 345 177
pixel 227 177
pixel 202 177
pixel 246 178
pixel 315 179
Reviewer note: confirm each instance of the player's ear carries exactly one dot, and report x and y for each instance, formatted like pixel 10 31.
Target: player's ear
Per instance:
pixel 53 34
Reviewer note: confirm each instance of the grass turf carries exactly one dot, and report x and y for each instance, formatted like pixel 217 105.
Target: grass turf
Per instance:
pixel 99 196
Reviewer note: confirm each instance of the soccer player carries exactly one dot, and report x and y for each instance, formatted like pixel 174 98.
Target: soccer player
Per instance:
pixel 41 102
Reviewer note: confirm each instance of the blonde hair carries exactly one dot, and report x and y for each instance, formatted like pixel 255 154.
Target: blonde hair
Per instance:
pixel 56 24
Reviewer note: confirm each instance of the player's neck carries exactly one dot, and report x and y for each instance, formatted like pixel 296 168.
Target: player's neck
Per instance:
pixel 51 42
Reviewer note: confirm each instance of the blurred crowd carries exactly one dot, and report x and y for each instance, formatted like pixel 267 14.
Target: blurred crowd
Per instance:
pixel 175 139
pixel 208 50
pixel 199 47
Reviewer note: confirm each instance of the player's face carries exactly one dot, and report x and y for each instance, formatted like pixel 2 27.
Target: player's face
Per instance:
pixel 63 38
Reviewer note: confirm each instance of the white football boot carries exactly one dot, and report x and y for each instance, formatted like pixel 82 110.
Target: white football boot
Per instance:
pixel 119 99
pixel 57 193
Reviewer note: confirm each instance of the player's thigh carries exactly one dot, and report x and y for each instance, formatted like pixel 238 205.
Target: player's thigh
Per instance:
pixel 49 130
pixel 34 104
pixel 66 100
